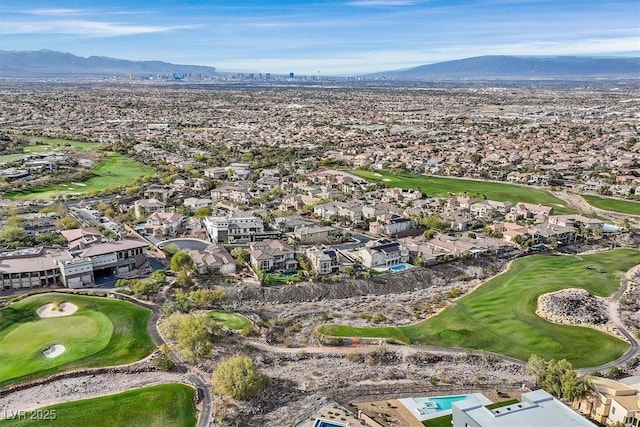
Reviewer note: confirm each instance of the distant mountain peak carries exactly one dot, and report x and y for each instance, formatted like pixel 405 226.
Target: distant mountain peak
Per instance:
pixel 46 62
pixel 505 66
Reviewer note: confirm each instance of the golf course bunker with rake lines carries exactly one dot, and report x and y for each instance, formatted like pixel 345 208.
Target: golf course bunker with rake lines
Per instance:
pixel 56 309
pixel 41 335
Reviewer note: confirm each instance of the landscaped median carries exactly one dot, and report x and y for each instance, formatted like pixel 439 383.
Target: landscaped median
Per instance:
pixel 54 332
pixel 500 316
pixel 165 405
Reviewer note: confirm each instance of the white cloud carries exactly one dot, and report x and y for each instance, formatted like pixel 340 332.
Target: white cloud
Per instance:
pixel 86 28
pixel 56 12
pixel 374 3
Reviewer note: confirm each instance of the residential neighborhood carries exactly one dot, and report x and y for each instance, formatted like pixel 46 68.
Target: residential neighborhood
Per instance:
pixel 383 266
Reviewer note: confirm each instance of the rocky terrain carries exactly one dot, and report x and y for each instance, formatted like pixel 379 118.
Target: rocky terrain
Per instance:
pixel 576 307
pixel 630 301
pixel 288 315
pixel 376 375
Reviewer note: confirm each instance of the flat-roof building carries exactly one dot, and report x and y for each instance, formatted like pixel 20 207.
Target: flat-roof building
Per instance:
pixel 537 409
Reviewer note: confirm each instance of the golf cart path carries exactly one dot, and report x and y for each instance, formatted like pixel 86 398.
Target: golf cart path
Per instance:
pixel 614 314
pixel 578 202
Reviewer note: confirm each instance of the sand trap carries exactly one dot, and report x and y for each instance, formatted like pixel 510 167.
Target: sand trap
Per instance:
pixel 53 351
pixel 64 309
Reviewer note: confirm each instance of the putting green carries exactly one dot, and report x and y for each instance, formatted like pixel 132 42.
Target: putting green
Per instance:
pixel 81 329
pixel 21 349
pixel 102 332
pixel 230 320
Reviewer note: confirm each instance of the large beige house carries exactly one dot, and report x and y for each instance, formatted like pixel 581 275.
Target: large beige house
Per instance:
pixel 614 401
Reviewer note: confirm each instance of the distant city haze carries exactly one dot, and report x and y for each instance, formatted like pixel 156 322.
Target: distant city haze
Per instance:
pixel 339 38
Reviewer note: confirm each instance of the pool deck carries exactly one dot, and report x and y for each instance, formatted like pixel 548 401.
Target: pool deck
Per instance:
pixel 389 269
pixel 417 407
pixel 407 416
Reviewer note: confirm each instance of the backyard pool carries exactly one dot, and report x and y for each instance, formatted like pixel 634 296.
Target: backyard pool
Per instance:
pixel 424 408
pixel 400 267
pixel 326 423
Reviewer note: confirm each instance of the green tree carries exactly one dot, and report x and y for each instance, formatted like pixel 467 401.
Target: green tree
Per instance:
pixel 171 249
pixel 146 288
pixel 558 378
pixel 12 234
pixel 519 240
pixel 159 276
pixel 181 261
pixel 238 378
pixel 240 255
pixel 67 223
pixel 204 298
pixel 15 221
pixel 304 264
pixel 192 334
pixel 183 279
pixel 428 234
pixel 203 212
pixel 182 303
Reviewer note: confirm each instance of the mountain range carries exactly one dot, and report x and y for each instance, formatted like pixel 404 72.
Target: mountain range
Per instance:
pixel 506 67
pixel 48 63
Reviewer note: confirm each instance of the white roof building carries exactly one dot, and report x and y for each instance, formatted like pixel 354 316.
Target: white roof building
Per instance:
pixel 537 409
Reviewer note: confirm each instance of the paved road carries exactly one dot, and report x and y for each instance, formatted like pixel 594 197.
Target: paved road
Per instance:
pixel 613 306
pixel 152 328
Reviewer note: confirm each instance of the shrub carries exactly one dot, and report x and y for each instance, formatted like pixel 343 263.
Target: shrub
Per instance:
pixel 163 363
pixel 193 334
pixel 238 378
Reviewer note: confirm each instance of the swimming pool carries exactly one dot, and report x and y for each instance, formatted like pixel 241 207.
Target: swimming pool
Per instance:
pixel 424 408
pixel 400 267
pixel 326 423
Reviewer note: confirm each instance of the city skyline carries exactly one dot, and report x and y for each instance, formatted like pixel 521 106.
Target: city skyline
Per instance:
pixel 328 37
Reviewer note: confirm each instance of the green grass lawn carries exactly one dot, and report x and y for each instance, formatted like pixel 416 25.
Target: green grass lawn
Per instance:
pixel 165 405
pixel 615 205
pixel 272 279
pixel 440 186
pixel 230 320
pixel 44 144
pixel 47 144
pixel 102 332
pixel 114 171
pixel 500 315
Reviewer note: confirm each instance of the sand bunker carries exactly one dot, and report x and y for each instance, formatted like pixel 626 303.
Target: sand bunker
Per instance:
pixel 64 309
pixel 53 351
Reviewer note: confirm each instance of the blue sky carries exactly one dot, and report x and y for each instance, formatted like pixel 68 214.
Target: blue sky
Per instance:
pixel 333 37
